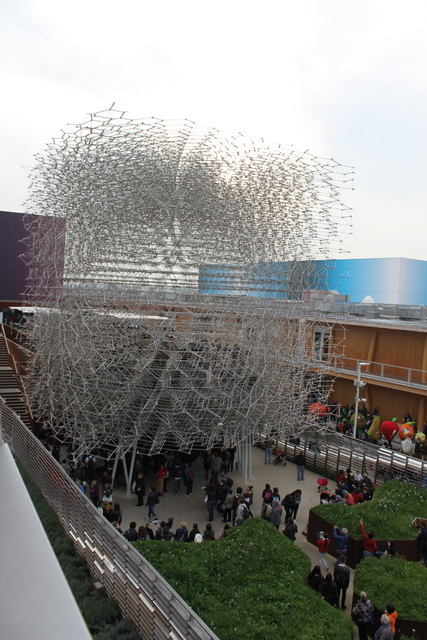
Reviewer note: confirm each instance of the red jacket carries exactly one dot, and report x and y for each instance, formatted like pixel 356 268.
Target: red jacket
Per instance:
pixel 368 544
pixel 323 544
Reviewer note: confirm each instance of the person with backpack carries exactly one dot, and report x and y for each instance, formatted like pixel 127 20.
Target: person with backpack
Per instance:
pixel 288 503
pixel 190 476
pixel 267 494
pixel 242 512
pixel 361 614
pixel 342 579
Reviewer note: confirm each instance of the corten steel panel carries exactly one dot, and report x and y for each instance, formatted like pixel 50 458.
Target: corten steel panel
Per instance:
pixel 410 549
pixel 403 626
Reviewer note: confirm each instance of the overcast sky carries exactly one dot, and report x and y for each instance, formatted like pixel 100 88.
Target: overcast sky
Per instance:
pixel 341 78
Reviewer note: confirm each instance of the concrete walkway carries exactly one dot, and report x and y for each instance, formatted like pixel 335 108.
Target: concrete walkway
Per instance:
pixel 193 509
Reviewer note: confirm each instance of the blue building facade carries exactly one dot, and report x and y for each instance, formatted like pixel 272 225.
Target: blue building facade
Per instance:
pixel 401 281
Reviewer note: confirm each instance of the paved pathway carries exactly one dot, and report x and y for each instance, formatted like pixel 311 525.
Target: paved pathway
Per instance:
pixel 193 509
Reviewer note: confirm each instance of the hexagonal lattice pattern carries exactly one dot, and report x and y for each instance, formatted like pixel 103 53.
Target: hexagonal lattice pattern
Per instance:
pixel 171 262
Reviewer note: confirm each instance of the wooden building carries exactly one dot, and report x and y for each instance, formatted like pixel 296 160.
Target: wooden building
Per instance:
pixel 390 352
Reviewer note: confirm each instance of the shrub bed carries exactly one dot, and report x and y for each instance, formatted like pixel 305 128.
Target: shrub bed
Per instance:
pixel 396 581
pixel 389 514
pixel 249 585
pixel 101 613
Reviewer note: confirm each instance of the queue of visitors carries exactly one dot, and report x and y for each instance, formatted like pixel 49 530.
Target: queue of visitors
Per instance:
pixel 233 506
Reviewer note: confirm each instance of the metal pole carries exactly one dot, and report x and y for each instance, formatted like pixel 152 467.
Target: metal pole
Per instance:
pixel 356 406
pixel 132 466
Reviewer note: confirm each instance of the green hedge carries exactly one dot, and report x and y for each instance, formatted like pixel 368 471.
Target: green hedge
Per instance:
pixel 389 514
pixel 249 585
pixel 394 580
pixel 101 613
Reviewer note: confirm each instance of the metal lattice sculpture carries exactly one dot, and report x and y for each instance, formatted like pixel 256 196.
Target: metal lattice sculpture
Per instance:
pixel 171 262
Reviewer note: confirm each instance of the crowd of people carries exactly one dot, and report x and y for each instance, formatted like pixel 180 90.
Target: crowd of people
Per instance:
pixel 232 506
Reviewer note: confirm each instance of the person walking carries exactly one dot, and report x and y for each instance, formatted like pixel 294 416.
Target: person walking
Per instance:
pixel 330 591
pixel 342 580
pixel 152 500
pixel 361 614
pixel 323 545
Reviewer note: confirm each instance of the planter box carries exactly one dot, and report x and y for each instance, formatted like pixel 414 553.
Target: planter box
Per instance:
pixel 402 625
pixel 410 549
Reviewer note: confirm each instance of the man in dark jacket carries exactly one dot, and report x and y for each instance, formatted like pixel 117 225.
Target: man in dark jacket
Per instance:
pixel 342 579
pixel 131 534
pixel 152 500
pixel 140 489
pixel 300 461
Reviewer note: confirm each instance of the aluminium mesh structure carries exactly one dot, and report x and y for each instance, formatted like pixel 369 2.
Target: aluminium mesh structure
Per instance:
pixel 169 264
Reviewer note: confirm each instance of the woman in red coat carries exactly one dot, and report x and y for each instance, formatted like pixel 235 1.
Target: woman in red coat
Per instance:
pixel 323 546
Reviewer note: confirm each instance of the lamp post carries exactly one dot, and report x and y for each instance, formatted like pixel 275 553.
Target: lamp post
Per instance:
pixel 359 384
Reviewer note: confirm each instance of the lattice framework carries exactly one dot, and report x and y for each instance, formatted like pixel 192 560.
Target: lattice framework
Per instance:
pixel 171 261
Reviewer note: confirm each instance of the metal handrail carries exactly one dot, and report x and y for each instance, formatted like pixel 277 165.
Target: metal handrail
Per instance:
pixel 395 374
pixel 327 453
pixel 17 374
pixel 139 590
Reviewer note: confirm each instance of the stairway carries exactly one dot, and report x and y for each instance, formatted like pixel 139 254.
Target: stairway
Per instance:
pixel 9 389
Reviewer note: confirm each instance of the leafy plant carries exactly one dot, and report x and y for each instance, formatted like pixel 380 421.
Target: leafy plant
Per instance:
pixel 394 580
pixel 389 514
pixel 249 585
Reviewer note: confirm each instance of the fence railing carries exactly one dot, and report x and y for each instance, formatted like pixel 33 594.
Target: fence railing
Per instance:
pixel 141 593
pixel 328 453
pixel 394 374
